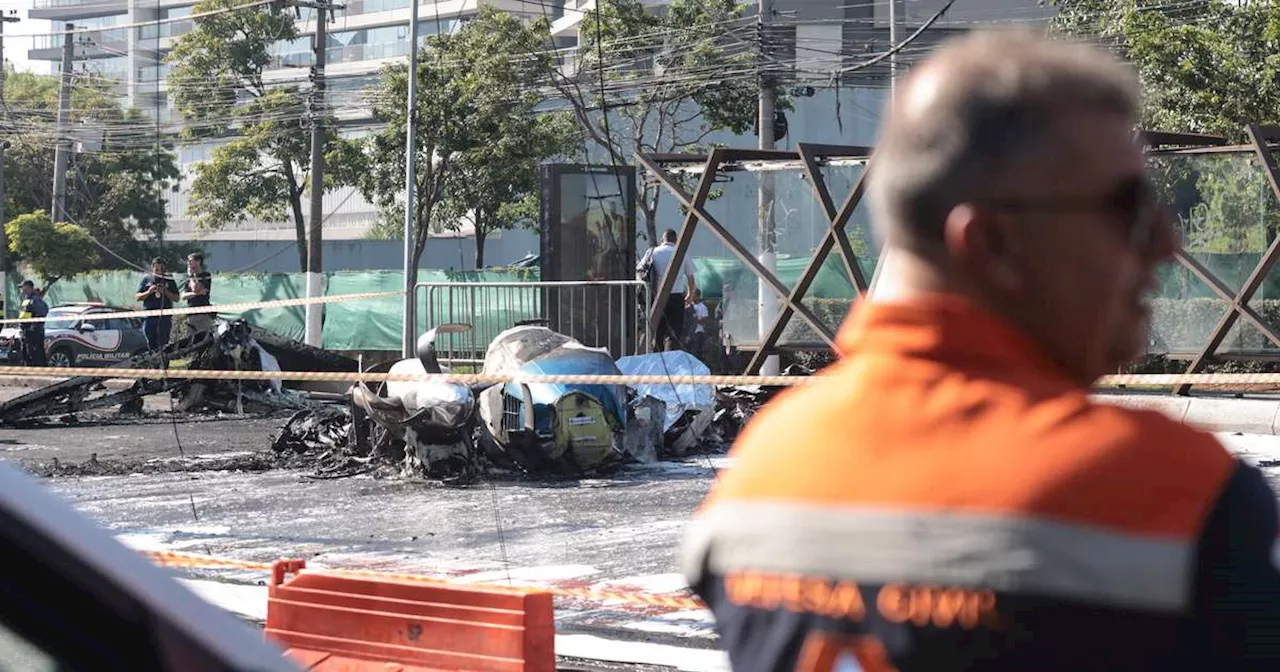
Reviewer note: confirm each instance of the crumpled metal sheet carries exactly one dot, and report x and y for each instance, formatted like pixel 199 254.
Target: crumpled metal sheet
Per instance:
pixel 678 398
pixel 513 348
pixel 314 429
pixel 431 405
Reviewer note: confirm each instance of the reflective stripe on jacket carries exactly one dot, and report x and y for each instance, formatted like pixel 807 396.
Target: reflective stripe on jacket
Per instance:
pixel 945 499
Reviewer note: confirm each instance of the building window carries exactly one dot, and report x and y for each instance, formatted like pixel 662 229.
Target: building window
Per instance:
pixel 292 53
pixel 345 46
pixel 372 6
pixel 169 28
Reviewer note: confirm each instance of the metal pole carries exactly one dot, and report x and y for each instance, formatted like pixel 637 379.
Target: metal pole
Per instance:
pixel 315 311
pixel 62 155
pixel 410 183
pixel 895 15
pixel 767 299
pixel 4 144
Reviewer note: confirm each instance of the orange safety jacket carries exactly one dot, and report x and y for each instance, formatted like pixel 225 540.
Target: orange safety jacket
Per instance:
pixel 945 498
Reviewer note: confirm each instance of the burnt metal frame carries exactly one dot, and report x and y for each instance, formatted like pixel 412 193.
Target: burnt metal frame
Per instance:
pixel 811 155
pixel 1262 140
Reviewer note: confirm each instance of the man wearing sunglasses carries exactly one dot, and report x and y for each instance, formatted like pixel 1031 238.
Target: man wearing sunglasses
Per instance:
pixel 948 496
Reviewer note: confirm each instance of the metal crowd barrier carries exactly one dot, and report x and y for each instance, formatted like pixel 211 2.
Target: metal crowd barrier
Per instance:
pixel 604 314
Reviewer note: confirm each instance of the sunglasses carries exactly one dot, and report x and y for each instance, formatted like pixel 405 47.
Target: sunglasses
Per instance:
pixel 1133 201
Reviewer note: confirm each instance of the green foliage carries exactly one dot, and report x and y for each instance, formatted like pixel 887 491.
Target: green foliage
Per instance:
pixel 50 250
pixel 222 58
pixel 117 193
pixel 496 185
pixel 669 79
pixel 478 139
pixel 1209 66
pixel 217 86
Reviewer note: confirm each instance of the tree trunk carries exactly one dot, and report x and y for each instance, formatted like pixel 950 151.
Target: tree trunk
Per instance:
pixel 421 229
pixel 295 202
pixel 651 221
pixel 481 233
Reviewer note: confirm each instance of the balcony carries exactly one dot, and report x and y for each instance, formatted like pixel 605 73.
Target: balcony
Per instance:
pixel 61 10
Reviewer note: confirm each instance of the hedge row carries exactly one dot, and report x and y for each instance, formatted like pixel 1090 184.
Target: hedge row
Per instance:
pixel 1183 325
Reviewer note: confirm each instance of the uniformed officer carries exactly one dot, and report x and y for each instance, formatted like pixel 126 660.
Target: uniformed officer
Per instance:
pixel 32 305
pixel 949 496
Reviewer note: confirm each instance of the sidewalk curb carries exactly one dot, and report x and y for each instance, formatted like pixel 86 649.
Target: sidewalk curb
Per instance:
pixel 1214 414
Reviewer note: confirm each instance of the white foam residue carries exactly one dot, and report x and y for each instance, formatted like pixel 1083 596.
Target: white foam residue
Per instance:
pixel 1251 447
pixel 545 573
pixel 203 529
pixel 144 541
pixel 641 653
pixel 247 601
pixel 700 630
pixel 703 615
pixel 653 583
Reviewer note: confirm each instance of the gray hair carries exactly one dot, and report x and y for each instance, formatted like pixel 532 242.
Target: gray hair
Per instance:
pixel 992 98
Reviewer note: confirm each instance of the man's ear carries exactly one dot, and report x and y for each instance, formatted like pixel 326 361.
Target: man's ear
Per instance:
pixel 979 244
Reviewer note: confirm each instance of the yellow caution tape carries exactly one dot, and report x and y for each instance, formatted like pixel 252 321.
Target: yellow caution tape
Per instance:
pixel 242 307
pixel 1162 380
pixel 358 376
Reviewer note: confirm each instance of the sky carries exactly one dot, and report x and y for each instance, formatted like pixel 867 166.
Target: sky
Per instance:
pixel 17 37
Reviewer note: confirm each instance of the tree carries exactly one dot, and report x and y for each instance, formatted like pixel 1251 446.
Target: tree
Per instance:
pixel 668 79
pixel 217 85
pixel 115 191
pixel 477 133
pixel 1209 66
pixel 496 185
pixel 51 250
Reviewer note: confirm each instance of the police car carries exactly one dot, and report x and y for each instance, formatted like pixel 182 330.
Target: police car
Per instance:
pixel 71 340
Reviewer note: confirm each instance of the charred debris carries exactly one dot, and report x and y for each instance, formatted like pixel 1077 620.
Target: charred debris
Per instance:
pixel 441 431
pixel 227 345
pixel 454 433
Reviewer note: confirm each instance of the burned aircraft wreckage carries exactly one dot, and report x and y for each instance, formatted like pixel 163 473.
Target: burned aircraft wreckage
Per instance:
pixel 444 431
pixel 451 431
pixel 227 345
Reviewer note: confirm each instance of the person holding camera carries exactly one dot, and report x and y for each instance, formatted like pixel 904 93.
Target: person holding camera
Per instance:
pixel 157 291
pixel 196 292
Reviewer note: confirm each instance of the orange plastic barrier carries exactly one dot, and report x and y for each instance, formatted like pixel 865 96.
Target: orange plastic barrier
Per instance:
pixel 334 622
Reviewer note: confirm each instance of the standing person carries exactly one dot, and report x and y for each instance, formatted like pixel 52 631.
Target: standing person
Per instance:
pixel 195 291
pixel 950 496
pixel 157 291
pixel 33 305
pixel 668 333
pixel 698 310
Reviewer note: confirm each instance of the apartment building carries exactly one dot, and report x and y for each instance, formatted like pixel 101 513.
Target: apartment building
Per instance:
pixel 826 40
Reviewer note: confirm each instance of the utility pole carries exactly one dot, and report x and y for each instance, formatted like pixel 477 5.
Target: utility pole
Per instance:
pixel 409 338
pixel 315 237
pixel 4 144
pixel 895 15
pixel 767 299
pixel 62 154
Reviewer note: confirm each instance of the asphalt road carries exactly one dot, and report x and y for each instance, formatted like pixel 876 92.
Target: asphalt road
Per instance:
pixel 150 442
pixel 621 531
pixel 222 496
